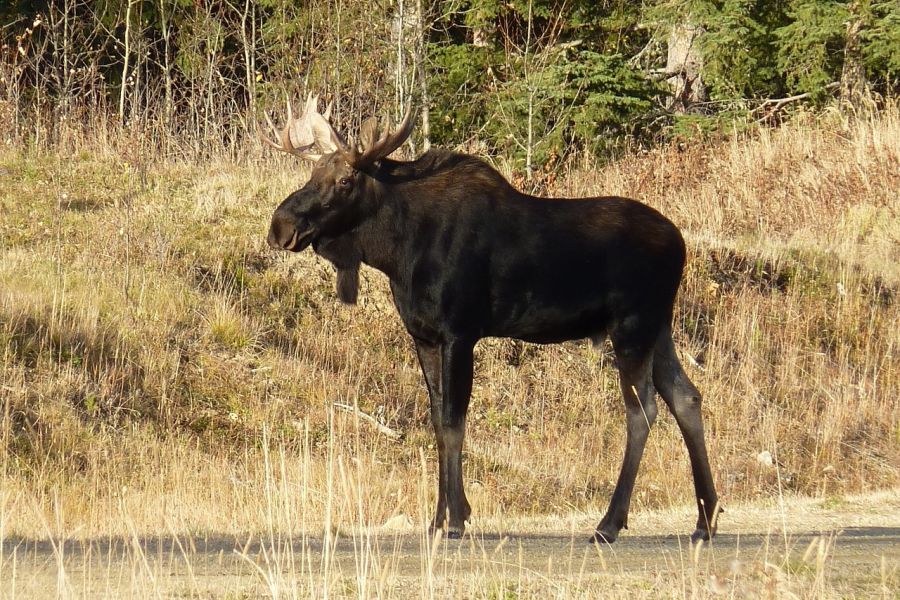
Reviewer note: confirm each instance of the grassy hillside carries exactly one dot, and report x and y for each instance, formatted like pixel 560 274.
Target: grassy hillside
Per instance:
pixel 163 370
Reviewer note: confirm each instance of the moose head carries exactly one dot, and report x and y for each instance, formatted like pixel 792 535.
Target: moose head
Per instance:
pixel 341 191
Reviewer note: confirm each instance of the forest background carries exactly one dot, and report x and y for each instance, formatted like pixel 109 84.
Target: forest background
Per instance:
pixel 535 81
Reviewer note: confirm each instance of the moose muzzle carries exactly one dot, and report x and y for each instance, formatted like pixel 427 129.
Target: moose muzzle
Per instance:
pixel 285 235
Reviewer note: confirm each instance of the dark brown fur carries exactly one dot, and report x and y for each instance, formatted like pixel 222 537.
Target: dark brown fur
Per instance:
pixel 470 257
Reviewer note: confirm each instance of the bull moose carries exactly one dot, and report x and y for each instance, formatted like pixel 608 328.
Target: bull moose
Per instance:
pixel 468 256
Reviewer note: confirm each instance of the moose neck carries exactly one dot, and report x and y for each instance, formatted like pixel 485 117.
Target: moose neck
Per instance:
pixel 380 236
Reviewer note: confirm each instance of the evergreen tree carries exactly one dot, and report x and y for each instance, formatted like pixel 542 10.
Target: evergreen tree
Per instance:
pixel 737 43
pixel 811 45
pixel 881 44
pixel 530 78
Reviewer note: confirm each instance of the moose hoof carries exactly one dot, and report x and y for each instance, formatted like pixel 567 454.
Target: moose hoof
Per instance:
pixel 700 535
pixel 603 537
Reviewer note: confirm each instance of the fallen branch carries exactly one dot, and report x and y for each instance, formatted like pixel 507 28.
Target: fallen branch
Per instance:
pixel 777 103
pixel 381 427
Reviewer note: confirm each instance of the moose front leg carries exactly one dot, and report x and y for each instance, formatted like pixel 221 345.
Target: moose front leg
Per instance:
pixel 456 385
pixel 448 374
pixel 430 361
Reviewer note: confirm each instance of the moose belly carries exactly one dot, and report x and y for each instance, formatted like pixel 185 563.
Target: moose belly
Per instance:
pixel 543 323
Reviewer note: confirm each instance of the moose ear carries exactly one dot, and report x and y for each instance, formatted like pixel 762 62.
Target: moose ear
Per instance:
pixel 348 284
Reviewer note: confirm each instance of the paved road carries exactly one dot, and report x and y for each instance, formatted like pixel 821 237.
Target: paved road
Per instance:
pixel 852 551
pixel 856 559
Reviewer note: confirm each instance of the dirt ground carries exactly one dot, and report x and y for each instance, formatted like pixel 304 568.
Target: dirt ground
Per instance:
pixel 806 548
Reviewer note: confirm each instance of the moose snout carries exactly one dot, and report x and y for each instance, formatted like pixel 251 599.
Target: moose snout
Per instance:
pixel 286 233
pixel 282 232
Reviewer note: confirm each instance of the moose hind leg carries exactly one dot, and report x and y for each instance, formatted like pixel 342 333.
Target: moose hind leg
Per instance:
pixel 683 399
pixel 640 413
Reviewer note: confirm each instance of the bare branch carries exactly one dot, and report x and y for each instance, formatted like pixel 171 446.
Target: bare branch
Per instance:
pixel 391 433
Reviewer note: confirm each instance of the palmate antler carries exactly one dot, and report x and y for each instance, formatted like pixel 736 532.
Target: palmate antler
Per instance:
pixel 300 136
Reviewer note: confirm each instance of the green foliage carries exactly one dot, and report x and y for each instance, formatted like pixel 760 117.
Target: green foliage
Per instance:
pixel 693 126
pixel 607 94
pixel 529 100
pixel 810 47
pixel 757 49
pixel 737 42
pixel 881 40
pixel 460 73
pixel 542 89
pixel 200 39
pixel 574 98
pixel 481 12
pixel 737 50
pixel 545 76
pixel 608 97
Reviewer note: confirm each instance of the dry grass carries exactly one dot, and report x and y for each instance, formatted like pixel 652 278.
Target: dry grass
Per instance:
pixel 807 549
pixel 156 356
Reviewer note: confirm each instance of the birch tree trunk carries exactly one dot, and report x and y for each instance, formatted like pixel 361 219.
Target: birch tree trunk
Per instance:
pixel 127 53
pixel 421 41
pixel 408 38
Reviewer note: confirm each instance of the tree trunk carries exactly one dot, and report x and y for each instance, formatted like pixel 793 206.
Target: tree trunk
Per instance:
pixel 167 63
pixel 424 100
pixel 127 56
pixel 408 31
pixel 483 35
pixel 853 75
pixel 684 66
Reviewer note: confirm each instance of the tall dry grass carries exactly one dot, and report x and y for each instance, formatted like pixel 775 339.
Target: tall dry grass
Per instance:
pixel 154 350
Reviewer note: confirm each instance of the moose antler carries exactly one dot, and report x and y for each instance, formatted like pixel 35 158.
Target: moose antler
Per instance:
pixel 375 149
pixel 299 136
pixel 372 145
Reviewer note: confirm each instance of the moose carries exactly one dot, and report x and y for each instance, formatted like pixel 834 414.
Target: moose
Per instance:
pixel 468 257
